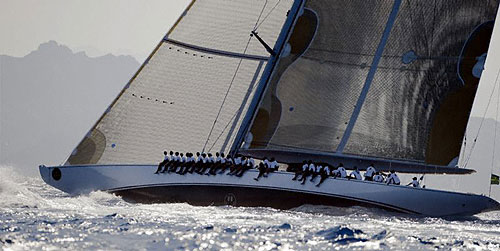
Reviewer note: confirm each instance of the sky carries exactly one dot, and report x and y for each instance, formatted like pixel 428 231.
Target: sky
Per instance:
pixel 120 27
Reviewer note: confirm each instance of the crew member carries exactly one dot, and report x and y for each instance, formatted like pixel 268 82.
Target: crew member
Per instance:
pixel 370 171
pixel 355 174
pixel 393 178
pixel 315 172
pixel 340 172
pixel 414 183
pixel 173 163
pixel 325 173
pixel 300 171
pixel 310 167
pixel 166 159
pixel 262 170
pixel 378 177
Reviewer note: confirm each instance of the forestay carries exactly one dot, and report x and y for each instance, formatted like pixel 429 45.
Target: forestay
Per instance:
pixel 194 89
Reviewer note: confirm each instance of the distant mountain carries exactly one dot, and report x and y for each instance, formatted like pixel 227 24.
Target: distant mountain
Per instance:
pixel 50 98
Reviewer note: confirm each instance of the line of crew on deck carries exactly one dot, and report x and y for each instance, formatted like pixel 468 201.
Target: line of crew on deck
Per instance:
pixel 205 163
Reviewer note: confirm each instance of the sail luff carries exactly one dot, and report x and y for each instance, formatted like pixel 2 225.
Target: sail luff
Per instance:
pixel 266 76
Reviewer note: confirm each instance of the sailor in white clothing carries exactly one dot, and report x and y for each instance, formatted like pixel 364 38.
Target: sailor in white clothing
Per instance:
pixel 414 183
pixel 370 172
pixel 301 170
pixel 355 174
pixel 393 179
pixel 325 173
pixel 311 168
pixel 378 177
pixel 340 172
pixel 216 165
pixel 174 163
pixel 166 159
pixel 315 172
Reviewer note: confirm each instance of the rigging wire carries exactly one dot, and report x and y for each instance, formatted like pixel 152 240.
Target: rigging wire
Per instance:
pixel 482 121
pixel 232 80
pixel 268 14
pixel 495 136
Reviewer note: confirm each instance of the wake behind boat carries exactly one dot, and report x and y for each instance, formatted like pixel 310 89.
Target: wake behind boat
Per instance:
pixel 356 82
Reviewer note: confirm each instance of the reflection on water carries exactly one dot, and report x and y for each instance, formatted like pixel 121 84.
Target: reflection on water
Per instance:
pixel 34 215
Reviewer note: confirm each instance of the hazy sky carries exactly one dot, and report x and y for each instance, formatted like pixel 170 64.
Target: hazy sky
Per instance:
pixel 131 27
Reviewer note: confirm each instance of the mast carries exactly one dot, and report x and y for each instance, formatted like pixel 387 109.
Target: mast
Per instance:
pixel 268 71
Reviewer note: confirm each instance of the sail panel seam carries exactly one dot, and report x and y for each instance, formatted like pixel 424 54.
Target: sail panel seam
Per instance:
pixel 215 51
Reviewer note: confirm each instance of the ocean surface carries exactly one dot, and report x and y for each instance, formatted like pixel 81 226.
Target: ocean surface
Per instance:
pixel 36 216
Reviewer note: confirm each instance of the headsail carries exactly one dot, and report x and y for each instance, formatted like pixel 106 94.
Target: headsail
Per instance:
pixel 193 90
pixel 418 101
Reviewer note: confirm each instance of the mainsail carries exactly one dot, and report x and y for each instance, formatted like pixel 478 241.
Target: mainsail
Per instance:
pixel 392 79
pixel 193 90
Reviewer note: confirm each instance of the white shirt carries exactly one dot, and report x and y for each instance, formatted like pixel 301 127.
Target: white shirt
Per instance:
pixel 167 158
pixel 378 178
pixel 304 167
pixel 251 162
pixel 342 171
pixel 222 160
pixel 229 160
pixel 237 161
pixel 356 175
pixel 393 179
pixel 211 159
pixel 182 159
pixel 198 159
pixel 370 171
pixel 176 158
pixel 415 183
pixel 273 164
pixel 266 162
pixel 312 168
pixel 318 168
pixel 204 159
pixel 218 159
pixel 326 170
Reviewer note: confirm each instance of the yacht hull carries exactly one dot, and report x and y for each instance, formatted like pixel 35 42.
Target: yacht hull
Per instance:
pixel 138 183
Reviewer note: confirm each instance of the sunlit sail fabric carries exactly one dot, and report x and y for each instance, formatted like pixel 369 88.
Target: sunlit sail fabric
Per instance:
pixel 418 103
pixel 193 91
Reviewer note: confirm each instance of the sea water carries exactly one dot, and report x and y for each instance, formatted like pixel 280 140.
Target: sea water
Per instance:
pixel 34 215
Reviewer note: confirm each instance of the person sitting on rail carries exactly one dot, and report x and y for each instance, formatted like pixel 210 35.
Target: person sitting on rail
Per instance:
pixel 414 183
pixel 340 172
pixel 393 179
pixel 355 174
pixel 378 177
pixel 237 163
pixel 325 172
pixel 310 168
pixel 370 172
pixel 315 172
pixel 271 166
pixel 215 165
pixel 166 159
pixel 187 165
pixel 302 170
pixel 173 163
pixel 182 162
pixel 262 170
pixel 203 164
pixel 267 164
pixel 225 163
pixel 238 171
pixel 249 164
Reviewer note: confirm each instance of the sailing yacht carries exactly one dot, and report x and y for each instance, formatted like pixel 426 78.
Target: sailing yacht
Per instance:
pixel 386 82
